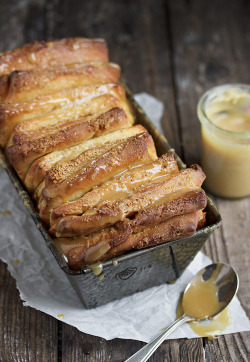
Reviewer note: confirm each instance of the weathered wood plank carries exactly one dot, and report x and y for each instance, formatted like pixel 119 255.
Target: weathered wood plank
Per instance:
pixel 211 46
pixel 82 347
pixel 12 19
pixel 232 347
pixel 138 40
pixel 25 334
pixel 230 243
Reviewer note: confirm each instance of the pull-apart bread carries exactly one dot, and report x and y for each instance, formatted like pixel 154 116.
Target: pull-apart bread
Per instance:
pixel 98 184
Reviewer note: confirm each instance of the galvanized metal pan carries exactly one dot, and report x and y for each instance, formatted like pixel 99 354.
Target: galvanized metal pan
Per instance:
pixel 136 270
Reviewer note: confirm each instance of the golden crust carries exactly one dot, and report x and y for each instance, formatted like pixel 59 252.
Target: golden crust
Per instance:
pixel 44 54
pixel 22 154
pixel 177 203
pixel 24 85
pixel 38 169
pixel 61 187
pixel 118 187
pixel 114 241
pixel 111 212
pixel 79 97
pixel 69 113
pixel 4 86
pixel 62 171
pixel 91 249
pixel 101 121
pixel 178 227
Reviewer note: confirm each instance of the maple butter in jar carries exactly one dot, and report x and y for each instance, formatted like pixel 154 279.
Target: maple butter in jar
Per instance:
pixel 224 113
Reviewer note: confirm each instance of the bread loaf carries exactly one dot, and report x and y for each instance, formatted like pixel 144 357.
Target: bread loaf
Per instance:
pixel 97 182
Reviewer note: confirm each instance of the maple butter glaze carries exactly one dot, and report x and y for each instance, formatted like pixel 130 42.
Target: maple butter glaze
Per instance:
pixel 207 295
pixel 224 113
pixel 208 328
pixel 200 300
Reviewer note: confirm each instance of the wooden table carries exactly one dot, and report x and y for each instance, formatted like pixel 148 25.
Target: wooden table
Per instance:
pixel 174 50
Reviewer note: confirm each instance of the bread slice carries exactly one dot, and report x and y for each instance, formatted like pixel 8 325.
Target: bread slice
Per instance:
pixel 92 168
pixel 67 114
pixel 116 240
pixel 38 169
pixel 43 54
pixel 80 101
pixel 176 203
pixel 111 212
pixel 31 147
pixel 118 187
pixel 27 84
pixel 178 227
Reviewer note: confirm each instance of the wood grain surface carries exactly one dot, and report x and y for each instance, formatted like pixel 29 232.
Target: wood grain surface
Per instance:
pixel 174 50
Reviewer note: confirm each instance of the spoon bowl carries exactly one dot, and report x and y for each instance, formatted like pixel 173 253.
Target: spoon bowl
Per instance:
pixel 210 291
pixel 208 294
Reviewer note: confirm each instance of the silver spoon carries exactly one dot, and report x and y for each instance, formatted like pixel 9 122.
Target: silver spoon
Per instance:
pixel 218 283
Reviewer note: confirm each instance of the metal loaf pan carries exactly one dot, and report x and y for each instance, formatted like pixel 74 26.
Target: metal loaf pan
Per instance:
pixel 136 270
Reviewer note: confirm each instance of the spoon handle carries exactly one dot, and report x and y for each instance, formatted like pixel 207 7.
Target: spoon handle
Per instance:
pixel 145 352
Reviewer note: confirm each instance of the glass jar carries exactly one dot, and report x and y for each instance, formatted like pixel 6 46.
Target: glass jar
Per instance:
pixel 224 113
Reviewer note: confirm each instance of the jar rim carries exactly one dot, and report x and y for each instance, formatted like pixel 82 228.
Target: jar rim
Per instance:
pixel 210 94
